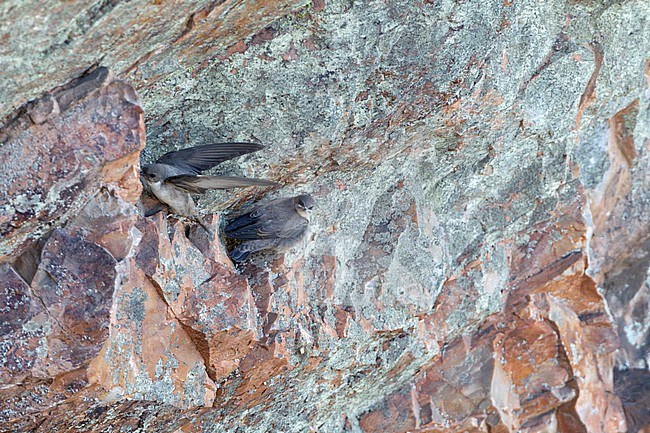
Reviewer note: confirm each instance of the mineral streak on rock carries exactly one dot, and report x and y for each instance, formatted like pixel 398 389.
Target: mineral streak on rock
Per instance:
pixel 477 262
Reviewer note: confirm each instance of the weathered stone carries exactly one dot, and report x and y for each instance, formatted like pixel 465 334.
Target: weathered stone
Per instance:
pixel 481 179
pixel 633 388
pixel 212 302
pixel 20 334
pixel 75 283
pixel 59 289
pixel 183 321
pixel 619 208
pixel 529 376
pixel 54 165
pixel 149 354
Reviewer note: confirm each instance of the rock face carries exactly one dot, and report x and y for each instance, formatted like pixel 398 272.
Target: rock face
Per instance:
pixel 478 260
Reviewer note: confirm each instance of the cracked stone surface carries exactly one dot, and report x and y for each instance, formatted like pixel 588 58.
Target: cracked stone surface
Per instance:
pixel 478 260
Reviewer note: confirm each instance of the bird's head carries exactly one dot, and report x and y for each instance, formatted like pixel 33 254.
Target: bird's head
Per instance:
pixel 149 173
pixel 304 204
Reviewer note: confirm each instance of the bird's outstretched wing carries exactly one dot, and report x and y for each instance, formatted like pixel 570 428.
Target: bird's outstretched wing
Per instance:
pixel 200 184
pixel 201 158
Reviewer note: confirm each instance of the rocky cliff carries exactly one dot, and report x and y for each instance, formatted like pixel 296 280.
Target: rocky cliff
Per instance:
pixel 478 260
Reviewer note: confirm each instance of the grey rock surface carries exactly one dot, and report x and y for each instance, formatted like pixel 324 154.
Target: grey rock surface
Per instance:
pixel 434 136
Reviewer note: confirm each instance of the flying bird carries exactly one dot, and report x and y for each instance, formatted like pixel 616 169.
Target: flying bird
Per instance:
pixel 278 225
pixel 176 175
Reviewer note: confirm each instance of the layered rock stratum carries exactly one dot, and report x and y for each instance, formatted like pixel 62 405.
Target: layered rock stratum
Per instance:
pixel 478 260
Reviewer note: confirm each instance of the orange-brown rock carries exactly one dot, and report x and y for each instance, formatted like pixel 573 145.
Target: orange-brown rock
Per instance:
pixel 59 149
pixel 58 282
pixel 477 259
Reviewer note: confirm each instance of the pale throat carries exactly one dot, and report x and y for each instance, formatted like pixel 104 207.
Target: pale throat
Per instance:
pixel 304 213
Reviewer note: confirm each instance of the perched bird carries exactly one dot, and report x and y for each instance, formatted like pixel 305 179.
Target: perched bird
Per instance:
pixel 278 225
pixel 177 174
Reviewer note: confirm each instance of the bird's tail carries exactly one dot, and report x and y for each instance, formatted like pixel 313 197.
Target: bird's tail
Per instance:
pixel 238 255
pixel 243 250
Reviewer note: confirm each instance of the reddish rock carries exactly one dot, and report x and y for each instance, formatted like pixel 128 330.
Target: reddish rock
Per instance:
pixel 531 375
pixel 75 282
pixel 560 295
pixel 452 393
pixel 22 333
pixel 212 302
pixel 520 371
pixel 618 209
pixel 73 145
pixel 59 286
pixel 472 233
pixel 149 354
pixel 184 319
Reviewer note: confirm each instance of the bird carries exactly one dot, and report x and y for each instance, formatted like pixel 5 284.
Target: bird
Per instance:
pixel 176 175
pixel 278 225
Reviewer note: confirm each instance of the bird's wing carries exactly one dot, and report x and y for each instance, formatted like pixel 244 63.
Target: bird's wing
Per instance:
pixel 299 224
pixel 237 227
pixel 253 216
pixel 201 158
pixel 244 225
pixel 271 221
pixel 201 184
